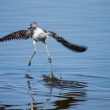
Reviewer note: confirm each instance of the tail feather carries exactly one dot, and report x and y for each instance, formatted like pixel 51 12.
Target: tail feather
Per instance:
pixel 68 44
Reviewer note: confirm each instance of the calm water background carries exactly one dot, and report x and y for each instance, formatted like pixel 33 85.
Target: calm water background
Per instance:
pixel 84 22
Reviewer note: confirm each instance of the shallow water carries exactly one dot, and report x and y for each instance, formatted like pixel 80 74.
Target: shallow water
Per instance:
pixel 83 79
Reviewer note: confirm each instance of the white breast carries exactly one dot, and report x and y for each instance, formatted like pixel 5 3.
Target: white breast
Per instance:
pixel 39 34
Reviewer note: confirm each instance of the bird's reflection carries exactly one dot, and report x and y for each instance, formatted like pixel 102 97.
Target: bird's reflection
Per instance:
pixel 69 99
pixel 71 93
pixel 60 83
pixel 33 102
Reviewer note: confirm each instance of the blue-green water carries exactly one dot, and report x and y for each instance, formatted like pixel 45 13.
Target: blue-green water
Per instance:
pixel 85 77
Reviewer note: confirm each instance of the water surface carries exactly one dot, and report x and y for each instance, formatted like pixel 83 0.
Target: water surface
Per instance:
pixel 83 79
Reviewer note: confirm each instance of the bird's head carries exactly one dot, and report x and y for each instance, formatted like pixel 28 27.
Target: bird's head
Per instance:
pixel 33 25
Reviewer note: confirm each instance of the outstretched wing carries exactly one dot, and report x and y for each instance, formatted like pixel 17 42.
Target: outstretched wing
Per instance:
pixel 19 35
pixel 68 44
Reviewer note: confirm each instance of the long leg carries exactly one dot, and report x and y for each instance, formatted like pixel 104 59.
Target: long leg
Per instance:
pixel 30 60
pixel 49 59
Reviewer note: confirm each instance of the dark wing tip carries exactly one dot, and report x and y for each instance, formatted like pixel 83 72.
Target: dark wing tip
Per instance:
pixel 74 47
pixel 83 49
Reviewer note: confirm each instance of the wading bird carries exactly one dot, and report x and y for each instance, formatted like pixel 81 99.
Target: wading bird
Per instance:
pixel 37 34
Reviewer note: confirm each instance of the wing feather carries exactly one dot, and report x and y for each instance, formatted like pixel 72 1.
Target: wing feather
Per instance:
pixel 67 44
pixel 18 35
